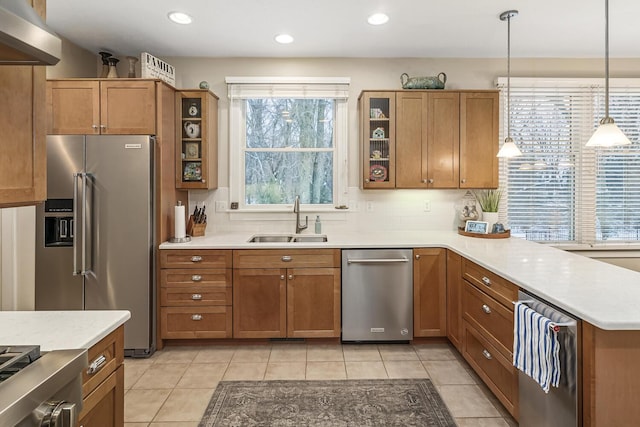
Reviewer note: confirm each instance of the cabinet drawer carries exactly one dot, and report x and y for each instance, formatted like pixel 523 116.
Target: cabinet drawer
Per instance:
pixel 105 405
pixel 188 278
pixel 489 317
pixel 200 258
pixel 502 290
pixel 104 357
pixel 285 258
pixel 494 369
pixel 196 322
pixel 196 296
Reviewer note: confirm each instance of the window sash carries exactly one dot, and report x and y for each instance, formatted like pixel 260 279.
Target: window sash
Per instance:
pixel 242 88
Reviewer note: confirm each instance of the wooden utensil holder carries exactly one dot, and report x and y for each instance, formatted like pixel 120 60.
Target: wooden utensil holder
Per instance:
pixel 195 230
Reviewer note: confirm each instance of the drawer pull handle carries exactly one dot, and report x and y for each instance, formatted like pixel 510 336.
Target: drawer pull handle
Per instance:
pixel 196 258
pixel 286 258
pixel 97 364
pixel 486 280
pixel 291 277
pixel 486 354
pixel 196 277
pixel 282 277
pixel 418 256
pixel 196 297
pixel 486 308
pixel 196 317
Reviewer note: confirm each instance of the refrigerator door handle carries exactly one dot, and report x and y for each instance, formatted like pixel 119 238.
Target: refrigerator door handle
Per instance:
pixel 75 222
pixel 83 266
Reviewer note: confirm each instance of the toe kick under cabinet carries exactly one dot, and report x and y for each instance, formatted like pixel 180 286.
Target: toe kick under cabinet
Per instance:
pixel 195 294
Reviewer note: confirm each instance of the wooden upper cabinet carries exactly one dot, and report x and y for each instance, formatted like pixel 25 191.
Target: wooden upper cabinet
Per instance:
pixel 427 139
pixel 22 132
pixel 377 134
pixel 108 107
pixel 479 134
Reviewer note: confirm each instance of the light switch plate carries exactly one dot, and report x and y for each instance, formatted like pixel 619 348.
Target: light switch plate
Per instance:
pixel 221 206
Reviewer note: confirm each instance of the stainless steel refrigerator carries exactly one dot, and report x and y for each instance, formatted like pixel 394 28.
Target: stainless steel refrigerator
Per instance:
pixel 95 232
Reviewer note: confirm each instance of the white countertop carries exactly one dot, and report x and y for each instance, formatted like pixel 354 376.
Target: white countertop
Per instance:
pixel 605 295
pixel 59 330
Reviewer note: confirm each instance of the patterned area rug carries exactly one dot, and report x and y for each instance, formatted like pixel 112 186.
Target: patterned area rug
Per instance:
pixel 348 403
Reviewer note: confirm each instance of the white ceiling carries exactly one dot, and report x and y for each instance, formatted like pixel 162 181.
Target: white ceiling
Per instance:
pixel 338 28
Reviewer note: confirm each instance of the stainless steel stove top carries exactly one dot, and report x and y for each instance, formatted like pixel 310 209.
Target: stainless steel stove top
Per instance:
pixel 33 384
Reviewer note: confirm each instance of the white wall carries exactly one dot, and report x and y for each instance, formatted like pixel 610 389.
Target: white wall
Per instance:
pixel 392 210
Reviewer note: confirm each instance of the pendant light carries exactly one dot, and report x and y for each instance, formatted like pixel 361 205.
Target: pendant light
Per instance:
pixel 509 148
pixel 608 133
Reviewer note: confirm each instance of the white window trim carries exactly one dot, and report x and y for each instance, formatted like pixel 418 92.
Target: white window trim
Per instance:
pixel 584 234
pixel 252 87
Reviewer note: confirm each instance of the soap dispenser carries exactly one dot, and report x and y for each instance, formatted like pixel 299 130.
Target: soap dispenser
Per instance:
pixel 318 225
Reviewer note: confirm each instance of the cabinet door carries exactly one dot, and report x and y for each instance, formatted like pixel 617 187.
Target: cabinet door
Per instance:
pixel 73 107
pixel 128 107
pixel 197 140
pixel 479 121
pixel 104 407
pixel 441 167
pixel 454 299
pixel 259 303
pixel 377 133
pixel 411 139
pixel 313 302
pixel 427 139
pixel 22 132
pixel 429 293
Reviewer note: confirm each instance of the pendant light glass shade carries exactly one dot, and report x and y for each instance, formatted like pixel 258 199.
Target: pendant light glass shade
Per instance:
pixel 608 133
pixel 509 148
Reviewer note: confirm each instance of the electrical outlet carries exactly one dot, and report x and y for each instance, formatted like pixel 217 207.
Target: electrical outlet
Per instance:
pixel 353 205
pixel 369 206
pixel 427 205
pixel 221 206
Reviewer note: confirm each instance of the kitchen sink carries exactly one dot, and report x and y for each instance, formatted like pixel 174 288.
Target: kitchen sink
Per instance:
pixel 309 238
pixel 270 238
pixel 288 238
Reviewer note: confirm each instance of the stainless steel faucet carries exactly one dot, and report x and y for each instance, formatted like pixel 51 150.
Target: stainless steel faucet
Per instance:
pixel 296 210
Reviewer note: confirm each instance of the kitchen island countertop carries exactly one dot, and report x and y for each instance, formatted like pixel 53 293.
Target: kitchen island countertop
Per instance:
pixel 605 295
pixel 58 330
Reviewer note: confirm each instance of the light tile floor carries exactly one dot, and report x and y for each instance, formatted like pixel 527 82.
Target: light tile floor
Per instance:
pixel 172 387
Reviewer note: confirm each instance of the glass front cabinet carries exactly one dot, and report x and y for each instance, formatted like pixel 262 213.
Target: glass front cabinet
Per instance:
pixel 197 139
pixel 377 110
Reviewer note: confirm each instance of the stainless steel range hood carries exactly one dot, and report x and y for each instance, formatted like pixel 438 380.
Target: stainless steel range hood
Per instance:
pixel 24 37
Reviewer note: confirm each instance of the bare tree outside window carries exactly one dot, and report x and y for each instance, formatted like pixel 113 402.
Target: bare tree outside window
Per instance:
pixel 289 151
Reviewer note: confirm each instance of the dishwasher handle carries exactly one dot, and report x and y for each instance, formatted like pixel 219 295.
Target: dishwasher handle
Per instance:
pixel 376 260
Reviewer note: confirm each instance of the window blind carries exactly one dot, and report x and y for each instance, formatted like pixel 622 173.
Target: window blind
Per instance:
pixel 559 190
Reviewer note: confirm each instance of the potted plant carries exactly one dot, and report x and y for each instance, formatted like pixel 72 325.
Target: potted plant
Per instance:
pixel 489 201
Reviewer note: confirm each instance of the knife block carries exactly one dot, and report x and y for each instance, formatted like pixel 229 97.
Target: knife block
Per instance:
pixel 195 230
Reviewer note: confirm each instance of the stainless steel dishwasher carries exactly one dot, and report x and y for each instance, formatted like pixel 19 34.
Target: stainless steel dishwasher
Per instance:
pixel 559 407
pixel 377 295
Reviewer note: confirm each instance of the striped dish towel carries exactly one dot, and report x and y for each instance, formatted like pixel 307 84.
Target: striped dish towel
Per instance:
pixel 536 350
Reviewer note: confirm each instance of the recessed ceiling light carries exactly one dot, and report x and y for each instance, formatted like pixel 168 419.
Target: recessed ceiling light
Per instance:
pixel 284 38
pixel 378 19
pixel 180 17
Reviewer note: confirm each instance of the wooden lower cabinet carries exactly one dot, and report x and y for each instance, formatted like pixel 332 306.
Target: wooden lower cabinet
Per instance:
pixel 104 407
pixel 103 389
pixel 429 292
pixel 454 299
pixel 195 294
pixel 286 293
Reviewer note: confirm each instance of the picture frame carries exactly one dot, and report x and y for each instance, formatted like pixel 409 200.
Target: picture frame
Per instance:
pixel 191 150
pixel 480 227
